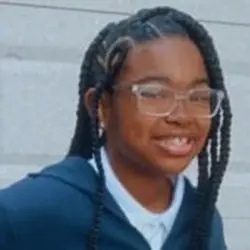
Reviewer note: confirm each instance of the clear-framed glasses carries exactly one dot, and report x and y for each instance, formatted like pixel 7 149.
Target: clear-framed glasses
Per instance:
pixel 160 100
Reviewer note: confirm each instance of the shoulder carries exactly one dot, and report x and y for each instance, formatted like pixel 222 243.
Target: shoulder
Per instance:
pixel 57 181
pixel 217 240
pixel 216 236
pixel 42 200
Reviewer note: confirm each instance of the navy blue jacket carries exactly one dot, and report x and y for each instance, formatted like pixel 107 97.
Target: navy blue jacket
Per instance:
pixel 53 210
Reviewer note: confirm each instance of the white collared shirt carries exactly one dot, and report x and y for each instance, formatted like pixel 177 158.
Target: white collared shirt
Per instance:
pixel 155 228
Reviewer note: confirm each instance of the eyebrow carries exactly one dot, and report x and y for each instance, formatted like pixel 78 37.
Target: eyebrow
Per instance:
pixel 201 81
pixel 165 79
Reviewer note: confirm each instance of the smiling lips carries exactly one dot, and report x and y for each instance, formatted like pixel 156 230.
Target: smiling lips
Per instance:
pixel 176 145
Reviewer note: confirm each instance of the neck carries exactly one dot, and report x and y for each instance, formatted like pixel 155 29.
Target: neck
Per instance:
pixel 152 191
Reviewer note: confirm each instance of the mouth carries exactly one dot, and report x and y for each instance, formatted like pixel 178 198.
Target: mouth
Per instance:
pixel 181 146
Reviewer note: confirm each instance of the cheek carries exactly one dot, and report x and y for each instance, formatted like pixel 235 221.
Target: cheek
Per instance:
pixel 204 128
pixel 133 126
pixel 136 127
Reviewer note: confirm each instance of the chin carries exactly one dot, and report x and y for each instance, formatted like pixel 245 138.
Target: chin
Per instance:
pixel 174 166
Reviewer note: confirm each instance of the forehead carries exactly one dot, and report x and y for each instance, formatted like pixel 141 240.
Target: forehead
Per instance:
pixel 174 57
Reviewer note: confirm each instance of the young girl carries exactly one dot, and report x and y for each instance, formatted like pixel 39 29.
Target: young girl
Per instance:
pixel 152 98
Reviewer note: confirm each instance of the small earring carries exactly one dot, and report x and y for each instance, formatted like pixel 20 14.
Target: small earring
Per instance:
pixel 101 129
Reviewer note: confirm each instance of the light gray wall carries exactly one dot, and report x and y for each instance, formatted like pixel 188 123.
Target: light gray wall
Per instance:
pixel 41 46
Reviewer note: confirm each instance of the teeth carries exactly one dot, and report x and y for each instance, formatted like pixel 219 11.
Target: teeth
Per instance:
pixel 180 140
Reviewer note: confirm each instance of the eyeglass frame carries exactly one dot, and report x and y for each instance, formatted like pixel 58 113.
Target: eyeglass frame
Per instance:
pixel 178 96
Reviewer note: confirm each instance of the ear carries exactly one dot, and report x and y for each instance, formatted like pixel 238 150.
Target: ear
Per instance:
pixel 104 110
pixel 88 100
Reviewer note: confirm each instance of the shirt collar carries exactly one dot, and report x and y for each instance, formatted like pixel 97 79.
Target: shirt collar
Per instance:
pixel 131 207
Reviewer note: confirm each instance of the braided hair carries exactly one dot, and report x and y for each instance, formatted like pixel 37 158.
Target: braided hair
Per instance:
pixel 103 60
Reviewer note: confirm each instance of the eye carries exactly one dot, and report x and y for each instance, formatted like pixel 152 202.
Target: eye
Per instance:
pixel 200 96
pixel 153 91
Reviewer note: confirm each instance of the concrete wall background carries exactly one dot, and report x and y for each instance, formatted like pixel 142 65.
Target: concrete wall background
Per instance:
pixel 41 46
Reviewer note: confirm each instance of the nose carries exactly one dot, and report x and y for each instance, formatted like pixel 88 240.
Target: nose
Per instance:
pixel 180 113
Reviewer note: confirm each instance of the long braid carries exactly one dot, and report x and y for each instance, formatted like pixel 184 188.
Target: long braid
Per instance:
pixel 94 233
pixel 214 141
pixel 87 129
pixel 201 194
pixel 103 84
pixel 83 125
pixel 217 170
pixel 203 187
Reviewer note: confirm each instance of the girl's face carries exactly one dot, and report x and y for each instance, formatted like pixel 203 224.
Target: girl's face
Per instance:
pixel 155 125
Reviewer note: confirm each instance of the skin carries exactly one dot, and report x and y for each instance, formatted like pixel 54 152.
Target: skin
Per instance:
pixel 131 135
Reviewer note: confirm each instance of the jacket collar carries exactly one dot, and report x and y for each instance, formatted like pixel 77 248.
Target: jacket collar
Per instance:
pixel 79 174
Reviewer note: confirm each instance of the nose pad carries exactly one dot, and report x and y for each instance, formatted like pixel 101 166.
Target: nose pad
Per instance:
pixel 179 112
